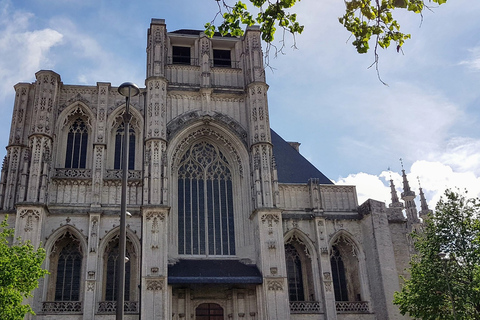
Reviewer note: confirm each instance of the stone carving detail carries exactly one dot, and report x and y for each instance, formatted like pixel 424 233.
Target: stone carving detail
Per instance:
pixel 271 244
pixel 73 173
pixel 154 285
pixel 155 217
pixel 186 142
pixel 62 307
pixel 270 218
pixel 327 280
pixel 30 216
pixel 94 235
pixel 275 285
pixel 154 214
pixel 90 285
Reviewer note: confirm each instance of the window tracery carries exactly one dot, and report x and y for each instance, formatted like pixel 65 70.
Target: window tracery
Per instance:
pixel 345 270
pixel 299 270
pixel 65 269
pixel 118 158
pixel 111 271
pixel 77 139
pixel 205 202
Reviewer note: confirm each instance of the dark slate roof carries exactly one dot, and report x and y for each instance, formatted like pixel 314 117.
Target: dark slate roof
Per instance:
pixel 213 271
pixel 292 167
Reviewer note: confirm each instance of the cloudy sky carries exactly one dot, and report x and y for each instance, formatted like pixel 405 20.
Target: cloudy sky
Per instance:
pixel 351 126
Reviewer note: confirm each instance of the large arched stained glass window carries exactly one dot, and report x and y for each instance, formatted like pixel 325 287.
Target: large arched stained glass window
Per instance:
pixel 119 148
pixel 77 139
pixel 205 203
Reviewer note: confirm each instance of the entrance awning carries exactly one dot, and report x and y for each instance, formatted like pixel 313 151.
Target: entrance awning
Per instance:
pixel 213 271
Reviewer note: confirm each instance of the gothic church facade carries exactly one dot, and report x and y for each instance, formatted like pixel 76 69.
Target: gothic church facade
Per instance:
pixel 228 220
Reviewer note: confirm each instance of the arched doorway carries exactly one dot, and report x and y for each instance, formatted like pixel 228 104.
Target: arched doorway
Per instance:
pixel 209 311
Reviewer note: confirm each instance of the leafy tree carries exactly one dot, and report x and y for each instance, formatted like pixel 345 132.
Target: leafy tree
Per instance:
pixel 20 269
pixel 445 273
pixel 363 18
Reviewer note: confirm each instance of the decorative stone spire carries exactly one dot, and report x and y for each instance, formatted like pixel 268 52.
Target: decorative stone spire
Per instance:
pixel 408 196
pixel 423 203
pixel 395 201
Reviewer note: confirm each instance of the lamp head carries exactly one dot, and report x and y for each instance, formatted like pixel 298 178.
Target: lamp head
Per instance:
pixel 124 89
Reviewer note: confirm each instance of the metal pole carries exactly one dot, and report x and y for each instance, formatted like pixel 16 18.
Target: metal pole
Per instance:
pixel 123 213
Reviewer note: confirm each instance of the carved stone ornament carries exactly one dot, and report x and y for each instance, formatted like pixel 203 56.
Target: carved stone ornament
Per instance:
pixel 154 214
pixel 90 285
pixel 154 285
pixel 271 244
pixel 270 218
pixel 328 286
pixel 275 285
pixel 30 215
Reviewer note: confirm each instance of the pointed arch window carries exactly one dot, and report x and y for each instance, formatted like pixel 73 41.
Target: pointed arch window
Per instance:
pixel 111 271
pixel 77 139
pixel 345 270
pixel 66 269
pixel 118 158
pixel 205 202
pixel 299 271
pixel 339 277
pixel 294 274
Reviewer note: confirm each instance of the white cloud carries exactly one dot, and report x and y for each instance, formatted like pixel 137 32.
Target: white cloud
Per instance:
pixel 473 63
pixel 435 178
pixel 23 51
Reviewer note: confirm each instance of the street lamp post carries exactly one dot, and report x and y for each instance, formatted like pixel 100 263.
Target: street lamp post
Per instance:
pixel 127 90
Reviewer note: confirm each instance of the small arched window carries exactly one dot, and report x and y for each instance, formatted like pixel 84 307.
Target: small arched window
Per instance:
pixel 345 270
pixel 339 278
pixel 66 269
pixel 299 271
pixel 77 139
pixel 294 274
pixel 209 311
pixel 118 159
pixel 111 271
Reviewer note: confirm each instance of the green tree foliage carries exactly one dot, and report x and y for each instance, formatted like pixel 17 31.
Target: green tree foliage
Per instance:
pixel 447 288
pixel 365 19
pixel 20 269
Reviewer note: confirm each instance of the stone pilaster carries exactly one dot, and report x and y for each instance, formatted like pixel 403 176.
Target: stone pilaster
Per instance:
pixel 156 48
pixel 154 287
pixel 271 256
pixel 91 277
pixel 253 56
pixel 205 57
pixel 323 253
pixel 29 222
pixel 155 142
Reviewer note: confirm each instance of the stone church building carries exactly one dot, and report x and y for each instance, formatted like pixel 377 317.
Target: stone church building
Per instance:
pixel 228 220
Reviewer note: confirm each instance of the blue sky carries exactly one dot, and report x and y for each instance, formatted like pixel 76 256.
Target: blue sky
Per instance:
pixel 323 94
